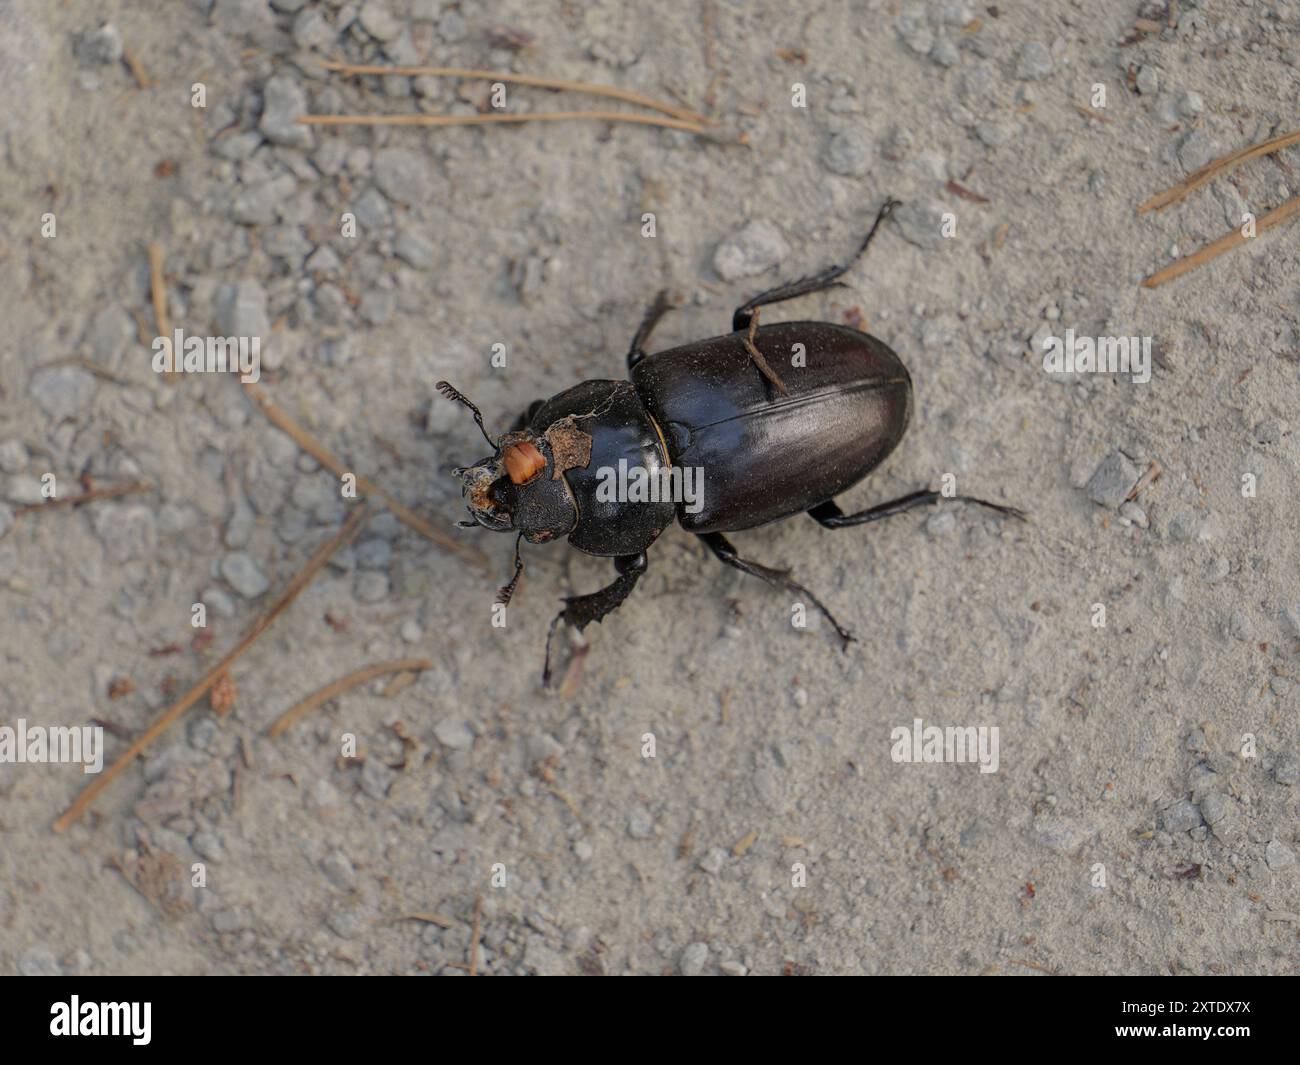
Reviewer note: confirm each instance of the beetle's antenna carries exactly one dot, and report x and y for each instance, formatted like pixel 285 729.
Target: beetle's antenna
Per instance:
pixel 457 397
pixel 508 590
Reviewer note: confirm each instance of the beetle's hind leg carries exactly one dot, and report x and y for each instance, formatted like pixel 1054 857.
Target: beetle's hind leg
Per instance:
pixel 829 516
pixel 805 286
pixel 726 554
pixel 581 610
pixel 662 305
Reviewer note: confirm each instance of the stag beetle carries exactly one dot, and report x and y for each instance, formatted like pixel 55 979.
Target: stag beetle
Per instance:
pixel 769 445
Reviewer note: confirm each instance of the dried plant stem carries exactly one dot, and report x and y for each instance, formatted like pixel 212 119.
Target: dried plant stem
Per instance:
pixel 86 497
pixel 1223 244
pixel 610 91
pixel 1213 168
pixel 158 290
pixel 321 454
pixel 489 120
pixel 177 710
pixel 474 933
pixel 137 69
pixel 441 920
pixel 338 687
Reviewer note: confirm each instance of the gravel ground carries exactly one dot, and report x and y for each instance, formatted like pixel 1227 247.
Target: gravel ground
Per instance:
pixel 1137 651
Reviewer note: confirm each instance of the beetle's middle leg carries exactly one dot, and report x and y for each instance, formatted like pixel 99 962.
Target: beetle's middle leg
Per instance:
pixel 807 285
pixel 725 553
pixel 829 516
pixel 581 610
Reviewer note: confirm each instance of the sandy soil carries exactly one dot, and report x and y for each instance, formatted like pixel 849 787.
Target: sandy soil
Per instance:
pixel 1143 815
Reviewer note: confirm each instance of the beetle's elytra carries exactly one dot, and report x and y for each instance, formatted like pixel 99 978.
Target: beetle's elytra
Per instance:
pixel 769 444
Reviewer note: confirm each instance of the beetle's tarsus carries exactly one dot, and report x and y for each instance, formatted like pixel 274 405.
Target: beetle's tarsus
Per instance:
pixel 817 282
pixel 507 591
pixel 582 610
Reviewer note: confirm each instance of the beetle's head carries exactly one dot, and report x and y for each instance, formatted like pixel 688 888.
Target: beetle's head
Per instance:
pixel 518 488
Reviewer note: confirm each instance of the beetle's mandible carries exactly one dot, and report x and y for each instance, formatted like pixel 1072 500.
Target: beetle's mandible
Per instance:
pixel 769 445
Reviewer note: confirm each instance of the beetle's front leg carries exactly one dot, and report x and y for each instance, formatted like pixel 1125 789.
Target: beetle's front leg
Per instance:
pixel 721 547
pixel 581 610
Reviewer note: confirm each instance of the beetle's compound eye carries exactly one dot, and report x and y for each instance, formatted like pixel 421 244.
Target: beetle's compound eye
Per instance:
pixel 523 462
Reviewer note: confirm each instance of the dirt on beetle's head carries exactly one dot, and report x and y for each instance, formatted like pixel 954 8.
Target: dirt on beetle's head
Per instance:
pixel 477 484
pixel 514 490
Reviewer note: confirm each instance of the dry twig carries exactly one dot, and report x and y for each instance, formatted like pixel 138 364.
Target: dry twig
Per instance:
pixel 321 454
pixel 501 119
pixel 330 691
pixel 174 713
pixel 626 95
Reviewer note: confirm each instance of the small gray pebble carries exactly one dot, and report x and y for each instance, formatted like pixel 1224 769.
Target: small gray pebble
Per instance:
pixel 207 845
pixel 1239 626
pixel 311 30
pixel 1135 514
pixel 413 250
pixel 13 456
pixel 37 961
pixel 102 46
pixel 283 102
pixel 1286 770
pixel 62 391
pixel 1195 150
pixel 713 861
pixel 1181 817
pixel 1278 855
pixel 1268 433
pixel 378 21
pixel 377 306
pixel 1112 481
pixel 693 959
pixel 1214 807
pixel 371 586
pixel 244 575
pixel 218 602
pixel 848 153
pixel 452 26
pixel 945 54
pixel 24 490
pixel 403 174
pixel 1217 569
pixel 454 734
pixel 759 246
pixel 1033 62
pixel 941 523
pixel 373 211
pixel 640 825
